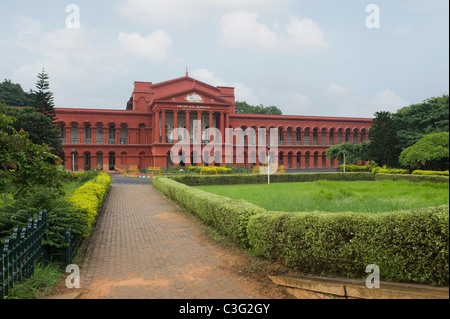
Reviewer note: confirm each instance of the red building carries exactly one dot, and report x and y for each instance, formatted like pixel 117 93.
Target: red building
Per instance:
pixel 142 134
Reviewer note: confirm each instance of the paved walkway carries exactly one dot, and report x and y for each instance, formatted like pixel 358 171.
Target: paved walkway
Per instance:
pixel 142 248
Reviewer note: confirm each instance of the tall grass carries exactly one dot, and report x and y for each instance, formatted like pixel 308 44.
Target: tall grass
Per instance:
pixel 338 196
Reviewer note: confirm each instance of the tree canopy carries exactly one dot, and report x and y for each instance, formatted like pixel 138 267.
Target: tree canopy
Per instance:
pixel 383 148
pixel 353 152
pixel 40 128
pixel 43 97
pixel 245 108
pixel 417 120
pixel 12 94
pixel 430 152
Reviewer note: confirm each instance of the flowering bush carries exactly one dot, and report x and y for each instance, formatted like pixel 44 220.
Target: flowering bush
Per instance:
pixel 430 152
pixel 87 199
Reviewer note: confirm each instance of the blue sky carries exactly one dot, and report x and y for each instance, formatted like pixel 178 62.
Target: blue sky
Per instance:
pixel 306 57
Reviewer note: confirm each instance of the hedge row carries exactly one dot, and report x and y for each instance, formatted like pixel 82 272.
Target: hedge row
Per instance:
pixel 229 217
pixel 87 199
pixel 412 178
pixel 421 172
pixel 195 180
pixel 408 246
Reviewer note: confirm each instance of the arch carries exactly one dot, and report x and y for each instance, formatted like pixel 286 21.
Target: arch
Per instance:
pixel 289 161
pixel 87 161
pixel 315 136
pixel 299 159
pixel 99 159
pixel 316 159
pixel 112 161
pixel 324 160
pixel 169 159
pixel 307 159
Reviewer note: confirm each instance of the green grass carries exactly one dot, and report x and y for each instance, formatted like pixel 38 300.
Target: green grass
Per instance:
pixel 338 196
pixel 40 285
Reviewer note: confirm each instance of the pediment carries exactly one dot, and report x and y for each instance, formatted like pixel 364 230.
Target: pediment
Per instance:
pixel 193 96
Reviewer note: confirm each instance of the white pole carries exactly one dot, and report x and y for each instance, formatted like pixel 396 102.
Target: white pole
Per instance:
pixel 344 161
pixel 73 162
pixel 268 170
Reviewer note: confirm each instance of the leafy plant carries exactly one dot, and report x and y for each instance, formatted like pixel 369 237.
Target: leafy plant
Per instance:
pixel 431 152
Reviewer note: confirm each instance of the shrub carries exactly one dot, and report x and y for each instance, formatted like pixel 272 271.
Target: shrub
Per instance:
pixel 412 178
pixel 429 152
pixel 409 246
pixel 195 180
pixel 208 171
pixel 87 199
pixel 420 172
pixel 229 217
pixel 384 170
pixel 356 168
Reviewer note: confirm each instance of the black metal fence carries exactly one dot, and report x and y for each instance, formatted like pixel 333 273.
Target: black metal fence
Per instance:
pixel 23 250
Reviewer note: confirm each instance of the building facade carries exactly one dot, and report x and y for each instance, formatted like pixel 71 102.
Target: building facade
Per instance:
pixel 144 133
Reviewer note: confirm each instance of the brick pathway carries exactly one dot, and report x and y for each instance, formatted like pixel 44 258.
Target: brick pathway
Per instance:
pixel 142 248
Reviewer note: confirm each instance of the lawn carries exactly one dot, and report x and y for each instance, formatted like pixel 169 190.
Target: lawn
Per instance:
pixel 338 196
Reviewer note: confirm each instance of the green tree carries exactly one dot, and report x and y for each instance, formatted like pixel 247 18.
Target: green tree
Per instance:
pixel 354 153
pixel 43 97
pixel 23 164
pixel 417 120
pixel 383 148
pixel 431 152
pixel 12 94
pixel 40 128
pixel 245 108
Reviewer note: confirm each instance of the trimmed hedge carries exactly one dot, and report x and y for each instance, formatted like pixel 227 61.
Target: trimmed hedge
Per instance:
pixel 229 217
pixel 412 178
pixel 420 172
pixel 195 180
pixel 408 246
pixel 356 168
pixel 87 199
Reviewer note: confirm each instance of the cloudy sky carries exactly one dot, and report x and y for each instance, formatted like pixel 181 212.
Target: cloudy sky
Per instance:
pixel 308 57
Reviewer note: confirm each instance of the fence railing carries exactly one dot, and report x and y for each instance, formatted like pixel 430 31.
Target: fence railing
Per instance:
pixel 21 252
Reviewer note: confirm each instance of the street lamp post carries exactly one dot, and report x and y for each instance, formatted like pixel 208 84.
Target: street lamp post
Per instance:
pixel 344 151
pixel 268 163
pixel 73 160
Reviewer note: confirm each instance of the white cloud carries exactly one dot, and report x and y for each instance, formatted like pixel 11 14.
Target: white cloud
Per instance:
pixel 294 103
pixel 242 30
pixel 154 47
pixel 386 100
pixel 242 92
pixel 304 33
pixel 336 90
pixel 183 12
pixel 344 103
pixel 77 64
